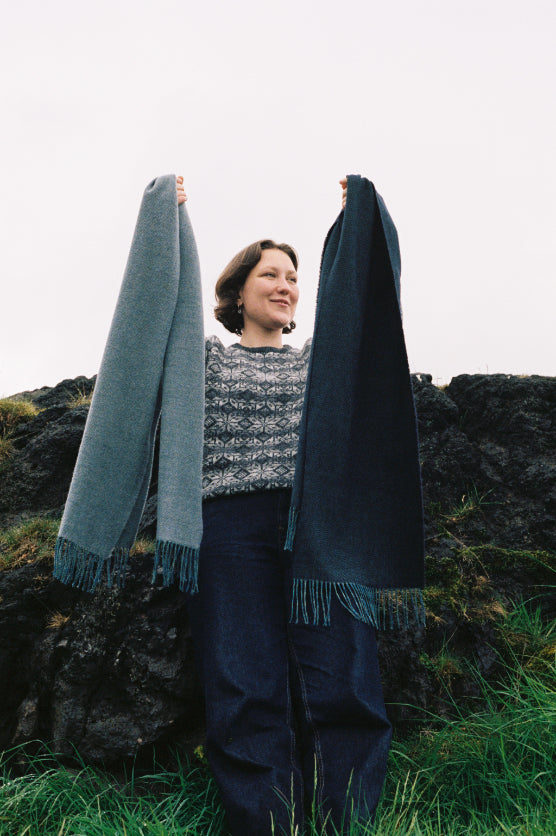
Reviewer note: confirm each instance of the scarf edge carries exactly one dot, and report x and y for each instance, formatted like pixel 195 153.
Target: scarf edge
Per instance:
pixel 383 608
pixel 174 558
pixel 82 569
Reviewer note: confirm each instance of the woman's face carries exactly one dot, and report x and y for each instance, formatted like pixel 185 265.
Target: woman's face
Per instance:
pixel 270 293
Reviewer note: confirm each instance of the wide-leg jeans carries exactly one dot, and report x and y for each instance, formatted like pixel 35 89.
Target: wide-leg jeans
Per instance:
pixel 295 713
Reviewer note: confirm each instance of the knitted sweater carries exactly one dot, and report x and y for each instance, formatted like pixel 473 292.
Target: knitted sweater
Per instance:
pixel 253 404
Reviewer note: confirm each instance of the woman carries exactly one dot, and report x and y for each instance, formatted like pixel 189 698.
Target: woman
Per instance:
pixel 295 713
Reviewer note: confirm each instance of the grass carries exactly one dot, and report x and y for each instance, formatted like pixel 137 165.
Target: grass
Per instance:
pixel 35 539
pixel 12 413
pixel 6 447
pixel 82 398
pixel 469 580
pixel 28 542
pixel 143 545
pixel 469 503
pixel 488 772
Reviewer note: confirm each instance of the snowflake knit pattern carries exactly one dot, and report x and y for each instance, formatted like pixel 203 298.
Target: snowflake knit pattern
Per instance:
pixel 253 405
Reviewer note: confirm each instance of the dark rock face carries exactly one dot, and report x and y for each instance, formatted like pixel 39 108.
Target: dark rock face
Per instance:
pixel 112 673
pixel 109 674
pixel 512 421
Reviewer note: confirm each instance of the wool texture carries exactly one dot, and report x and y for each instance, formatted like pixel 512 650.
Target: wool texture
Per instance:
pixel 356 518
pixel 152 369
pixel 356 522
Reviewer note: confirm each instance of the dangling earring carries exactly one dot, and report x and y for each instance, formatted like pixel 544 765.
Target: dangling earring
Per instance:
pixel 239 308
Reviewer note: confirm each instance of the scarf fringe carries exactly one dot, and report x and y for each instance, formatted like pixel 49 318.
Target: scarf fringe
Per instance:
pixel 382 608
pixel 83 570
pixel 170 556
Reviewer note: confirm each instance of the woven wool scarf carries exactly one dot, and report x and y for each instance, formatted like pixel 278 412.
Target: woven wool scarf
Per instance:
pixel 356 519
pixel 153 368
pixel 356 525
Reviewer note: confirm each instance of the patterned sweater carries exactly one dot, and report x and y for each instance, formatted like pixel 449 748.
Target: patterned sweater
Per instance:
pixel 253 403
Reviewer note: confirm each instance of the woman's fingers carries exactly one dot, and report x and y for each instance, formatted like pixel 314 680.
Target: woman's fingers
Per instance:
pixel 343 183
pixel 182 197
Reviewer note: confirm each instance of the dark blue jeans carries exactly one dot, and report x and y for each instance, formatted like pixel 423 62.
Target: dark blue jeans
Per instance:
pixel 295 713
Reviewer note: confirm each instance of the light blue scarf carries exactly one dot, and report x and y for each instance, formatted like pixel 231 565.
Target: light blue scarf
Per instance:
pixel 152 368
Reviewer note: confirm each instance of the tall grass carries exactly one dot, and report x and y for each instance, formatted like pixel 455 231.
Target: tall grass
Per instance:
pixel 491 772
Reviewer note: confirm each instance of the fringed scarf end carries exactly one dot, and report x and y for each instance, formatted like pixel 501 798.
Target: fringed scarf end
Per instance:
pixel 82 569
pixel 382 608
pixel 174 558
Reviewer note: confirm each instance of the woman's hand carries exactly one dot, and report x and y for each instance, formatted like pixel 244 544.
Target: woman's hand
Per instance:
pixel 182 197
pixel 344 184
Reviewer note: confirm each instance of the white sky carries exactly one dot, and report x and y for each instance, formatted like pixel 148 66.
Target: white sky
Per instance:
pixel 448 106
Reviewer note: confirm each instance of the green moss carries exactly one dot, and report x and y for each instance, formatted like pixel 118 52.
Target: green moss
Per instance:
pixel 463 580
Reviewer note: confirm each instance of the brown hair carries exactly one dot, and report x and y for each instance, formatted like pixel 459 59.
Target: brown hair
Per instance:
pixel 234 276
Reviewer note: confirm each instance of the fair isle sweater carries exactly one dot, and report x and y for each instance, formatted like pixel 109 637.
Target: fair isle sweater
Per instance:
pixel 253 404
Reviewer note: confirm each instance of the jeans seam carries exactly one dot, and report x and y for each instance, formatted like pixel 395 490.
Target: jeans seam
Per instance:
pixel 315 733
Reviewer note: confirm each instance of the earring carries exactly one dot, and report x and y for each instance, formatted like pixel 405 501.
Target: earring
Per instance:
pixel 239 308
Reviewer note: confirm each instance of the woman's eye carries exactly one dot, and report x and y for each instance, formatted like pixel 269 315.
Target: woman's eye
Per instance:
pixel 293 279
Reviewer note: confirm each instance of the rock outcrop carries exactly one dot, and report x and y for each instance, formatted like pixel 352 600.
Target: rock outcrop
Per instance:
pixel 112 674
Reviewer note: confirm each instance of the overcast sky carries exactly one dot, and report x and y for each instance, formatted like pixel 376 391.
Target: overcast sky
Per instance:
pixel 447 106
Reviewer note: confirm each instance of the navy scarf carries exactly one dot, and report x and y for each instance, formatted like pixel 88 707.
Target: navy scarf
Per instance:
pixel 356 519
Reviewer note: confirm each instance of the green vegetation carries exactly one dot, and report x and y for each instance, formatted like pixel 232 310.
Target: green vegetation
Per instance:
pixel 35 538
pixel 491 771
pixel 80 399
pixel 28 542
pixel 143 545
pixel 12 413
pixel 483 765
pixel 470 502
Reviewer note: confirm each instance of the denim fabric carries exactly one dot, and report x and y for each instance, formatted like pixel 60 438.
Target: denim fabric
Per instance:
pixel 294 712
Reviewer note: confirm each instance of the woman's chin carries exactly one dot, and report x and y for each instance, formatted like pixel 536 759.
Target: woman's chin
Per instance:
pixel 278 321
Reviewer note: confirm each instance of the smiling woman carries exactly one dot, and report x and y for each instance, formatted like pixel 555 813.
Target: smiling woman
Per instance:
pixel 257 293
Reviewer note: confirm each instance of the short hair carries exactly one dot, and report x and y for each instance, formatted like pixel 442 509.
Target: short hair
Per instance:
pixel 234 276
